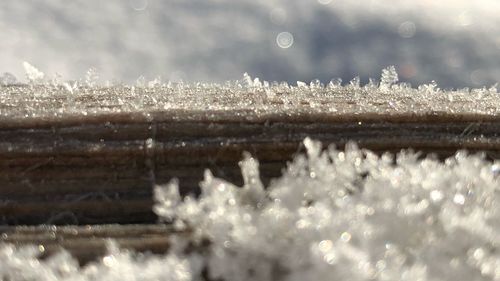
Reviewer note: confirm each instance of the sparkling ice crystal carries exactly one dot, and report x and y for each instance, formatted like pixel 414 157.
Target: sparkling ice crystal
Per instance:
pixel 32 73
pixel 333 215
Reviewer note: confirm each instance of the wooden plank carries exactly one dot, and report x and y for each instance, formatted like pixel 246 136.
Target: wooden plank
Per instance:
pixel 93 156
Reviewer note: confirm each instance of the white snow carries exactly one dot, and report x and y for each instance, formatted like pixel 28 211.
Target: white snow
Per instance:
pixel 23 264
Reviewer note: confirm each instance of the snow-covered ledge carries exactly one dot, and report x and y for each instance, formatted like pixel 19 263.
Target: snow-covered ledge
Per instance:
pixel 334 214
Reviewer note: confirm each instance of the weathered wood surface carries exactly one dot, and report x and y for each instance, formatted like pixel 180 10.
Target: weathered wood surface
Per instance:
pixel 105 174
pixel 92 156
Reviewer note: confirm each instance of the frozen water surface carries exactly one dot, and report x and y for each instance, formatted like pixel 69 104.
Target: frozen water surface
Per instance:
pixel 333 215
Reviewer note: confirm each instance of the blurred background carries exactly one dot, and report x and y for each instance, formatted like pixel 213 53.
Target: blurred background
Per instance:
pixel 454 42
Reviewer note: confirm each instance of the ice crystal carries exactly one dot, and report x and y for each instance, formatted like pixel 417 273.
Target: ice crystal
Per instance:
pixel 389 77
pixel 252 98
pixel 168 197
pixel 91 77
pixel 32 73
pixel 351 215
pixel 23 264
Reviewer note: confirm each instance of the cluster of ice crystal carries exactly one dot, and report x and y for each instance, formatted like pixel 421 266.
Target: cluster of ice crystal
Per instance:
pixel 333 215
pixel 32 73
pixel 389 77
pixel 349 215
pixel 24 264
pixel 253 99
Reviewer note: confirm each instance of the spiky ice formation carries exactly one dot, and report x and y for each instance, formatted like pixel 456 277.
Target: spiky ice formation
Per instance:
pixel 349 215
pixel 252 99
pixel 24 264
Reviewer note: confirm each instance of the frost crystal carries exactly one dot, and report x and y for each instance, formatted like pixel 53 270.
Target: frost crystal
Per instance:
pixel 32 73
pixel 168 198
pixel 352 215
pixel 389 77
pixel 91 77
pixel 252 98
pixel 23 264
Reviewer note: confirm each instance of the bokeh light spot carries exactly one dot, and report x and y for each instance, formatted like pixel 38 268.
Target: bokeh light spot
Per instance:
pixel 407 29
pixel 408 70
pixel 284 40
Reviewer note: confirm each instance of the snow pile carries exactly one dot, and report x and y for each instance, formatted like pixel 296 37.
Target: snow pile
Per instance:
pixel 23 264
pixel 333 215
